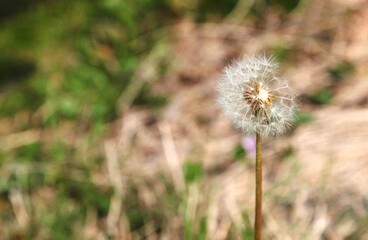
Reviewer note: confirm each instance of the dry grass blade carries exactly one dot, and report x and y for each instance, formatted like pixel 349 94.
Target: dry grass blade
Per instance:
pixel 171 156
pixel 20 211
pixel 113 166
pixel 19 139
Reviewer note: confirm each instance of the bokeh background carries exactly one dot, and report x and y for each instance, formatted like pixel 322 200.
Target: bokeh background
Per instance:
pixel 109 127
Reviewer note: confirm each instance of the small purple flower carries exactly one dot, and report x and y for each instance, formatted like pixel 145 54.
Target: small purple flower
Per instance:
pixel 249 145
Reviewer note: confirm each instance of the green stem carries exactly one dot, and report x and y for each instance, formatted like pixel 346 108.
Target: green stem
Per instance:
pixel 258 217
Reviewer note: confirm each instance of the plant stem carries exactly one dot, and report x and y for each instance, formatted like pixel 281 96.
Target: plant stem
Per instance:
pixel 258 217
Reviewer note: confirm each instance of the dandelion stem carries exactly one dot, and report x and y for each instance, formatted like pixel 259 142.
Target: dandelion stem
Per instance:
pixel 258 217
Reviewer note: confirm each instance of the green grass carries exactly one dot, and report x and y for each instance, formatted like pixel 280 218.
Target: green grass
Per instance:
pixel 68 68
pixel 68 64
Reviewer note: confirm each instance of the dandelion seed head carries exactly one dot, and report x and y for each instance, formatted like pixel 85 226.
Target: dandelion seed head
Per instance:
pixel 254 98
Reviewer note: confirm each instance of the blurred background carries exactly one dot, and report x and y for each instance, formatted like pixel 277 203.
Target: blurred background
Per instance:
pixel 109 127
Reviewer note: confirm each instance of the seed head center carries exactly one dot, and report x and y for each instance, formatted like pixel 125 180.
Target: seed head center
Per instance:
pixel 263 94
pixel 258 97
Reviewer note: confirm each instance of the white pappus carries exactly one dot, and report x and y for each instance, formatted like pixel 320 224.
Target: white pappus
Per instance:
pixel 254 98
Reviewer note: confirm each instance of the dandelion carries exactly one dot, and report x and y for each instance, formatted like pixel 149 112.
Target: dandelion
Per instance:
pixel 255 99
pixel 259 103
